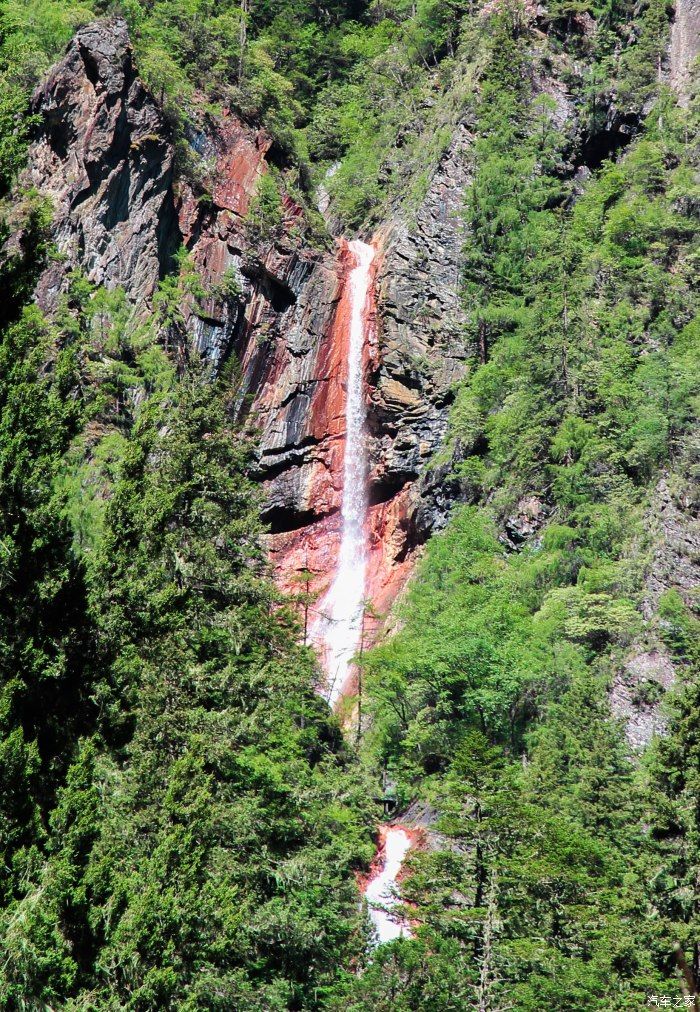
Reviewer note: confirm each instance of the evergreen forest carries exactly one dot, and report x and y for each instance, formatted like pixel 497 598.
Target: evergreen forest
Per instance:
pixel 185 823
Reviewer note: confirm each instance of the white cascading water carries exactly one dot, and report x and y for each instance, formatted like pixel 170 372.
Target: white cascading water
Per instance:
pixel 380 892
pixel 339 628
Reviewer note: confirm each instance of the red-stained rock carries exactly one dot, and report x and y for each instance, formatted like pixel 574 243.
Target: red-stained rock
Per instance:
pixel 239 164
pixel 393 551
pixel 418 842
pixel 318 484
pixel 313 548
pixel 275 301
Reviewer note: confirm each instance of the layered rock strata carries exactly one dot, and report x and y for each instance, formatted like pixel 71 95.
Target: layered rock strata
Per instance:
pixel 104 154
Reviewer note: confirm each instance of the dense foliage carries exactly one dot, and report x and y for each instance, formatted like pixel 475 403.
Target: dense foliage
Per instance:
pixel 181 820
pixel 181 854
pixel 567 881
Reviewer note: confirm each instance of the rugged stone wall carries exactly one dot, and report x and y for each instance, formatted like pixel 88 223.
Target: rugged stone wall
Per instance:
pixel 421 349
pixel 103 154
pixel 647 672
pixel 278 322
pixel 685 46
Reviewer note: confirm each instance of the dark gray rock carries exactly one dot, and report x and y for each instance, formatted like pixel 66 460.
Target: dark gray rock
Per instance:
pixel 421 345
pixel 527 519
pixel 102 153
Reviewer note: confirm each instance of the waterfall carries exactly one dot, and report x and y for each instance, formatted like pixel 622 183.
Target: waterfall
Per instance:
pixel 338 631
pixel 380 893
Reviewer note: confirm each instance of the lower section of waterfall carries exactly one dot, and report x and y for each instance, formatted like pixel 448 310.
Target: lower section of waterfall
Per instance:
pixel 338 631
pixel 381 889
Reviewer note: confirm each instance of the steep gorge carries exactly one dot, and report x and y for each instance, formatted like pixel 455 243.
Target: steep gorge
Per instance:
pixel 338 629
pixel 346 352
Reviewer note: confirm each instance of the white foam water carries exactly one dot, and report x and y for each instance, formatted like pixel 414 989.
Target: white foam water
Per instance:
pixel 380 893
pixel 338 630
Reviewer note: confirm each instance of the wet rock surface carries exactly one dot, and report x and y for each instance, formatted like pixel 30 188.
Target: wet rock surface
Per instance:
pixel 103 153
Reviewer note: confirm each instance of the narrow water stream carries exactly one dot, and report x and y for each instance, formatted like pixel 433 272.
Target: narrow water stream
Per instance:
pixel 380 892
pixel 338 630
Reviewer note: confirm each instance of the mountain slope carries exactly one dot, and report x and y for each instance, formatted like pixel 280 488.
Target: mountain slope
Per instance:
pixel 183 823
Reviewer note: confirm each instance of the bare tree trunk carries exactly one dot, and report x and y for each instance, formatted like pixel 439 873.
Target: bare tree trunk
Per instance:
pixel 486 975
pixel 483 343
pixel 688 979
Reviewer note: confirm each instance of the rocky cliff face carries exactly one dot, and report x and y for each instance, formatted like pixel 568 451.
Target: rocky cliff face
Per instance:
pixel 421 347
pixel 685 46
pixel 417 351
pixel 103 152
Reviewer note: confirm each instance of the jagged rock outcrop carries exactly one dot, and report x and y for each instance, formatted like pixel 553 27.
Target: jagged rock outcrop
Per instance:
pixel 648 671
pixel 685 46
pixel 277 320
pixel 675 522
pixel 420 345
pixel 526 521
pixel 637 692
pixel 103 154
